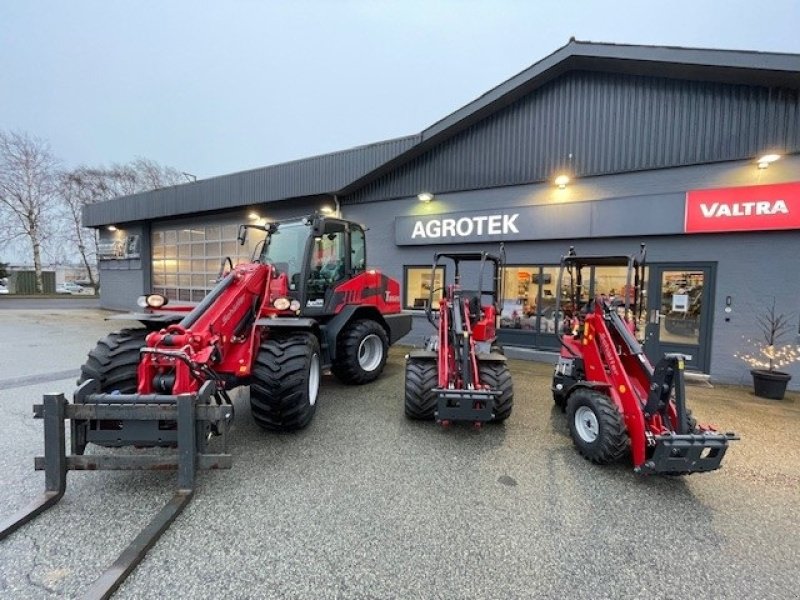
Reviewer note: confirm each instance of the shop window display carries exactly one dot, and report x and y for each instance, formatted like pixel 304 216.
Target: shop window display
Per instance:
pixel 418 284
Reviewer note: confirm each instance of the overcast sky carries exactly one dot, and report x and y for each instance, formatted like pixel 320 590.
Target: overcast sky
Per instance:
pixel 212 88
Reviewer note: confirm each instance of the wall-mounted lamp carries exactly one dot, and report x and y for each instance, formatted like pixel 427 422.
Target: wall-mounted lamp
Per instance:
pixel 562 181
pixel 764 161
pixel 112 227
pixel 253 216
pixel 326 210
pixel 425 197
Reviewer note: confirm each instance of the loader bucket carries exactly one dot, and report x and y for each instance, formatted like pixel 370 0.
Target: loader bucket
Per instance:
pixel 192 414
pixel 678 454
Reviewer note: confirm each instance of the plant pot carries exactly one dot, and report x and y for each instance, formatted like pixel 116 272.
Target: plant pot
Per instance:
pixel 770 384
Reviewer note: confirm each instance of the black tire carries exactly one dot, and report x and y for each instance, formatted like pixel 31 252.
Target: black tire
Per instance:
pixel 421 379
pixel 114 361
pixel 361 352
pixel 497 376
pixel 691 422
pixel 285 382
pixel 599 418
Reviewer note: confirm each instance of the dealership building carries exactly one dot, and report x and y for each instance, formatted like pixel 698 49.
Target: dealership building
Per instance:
pixel 693 152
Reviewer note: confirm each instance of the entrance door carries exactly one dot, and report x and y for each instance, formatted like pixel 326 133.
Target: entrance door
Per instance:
pixel 680 312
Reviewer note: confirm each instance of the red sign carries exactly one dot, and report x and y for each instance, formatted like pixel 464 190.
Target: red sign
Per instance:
pixel 752 208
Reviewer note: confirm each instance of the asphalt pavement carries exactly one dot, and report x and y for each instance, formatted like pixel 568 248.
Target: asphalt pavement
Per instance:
pixel 365 504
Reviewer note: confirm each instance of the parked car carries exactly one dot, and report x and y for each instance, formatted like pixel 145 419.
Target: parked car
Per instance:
pixel 71 287
pixel 3 289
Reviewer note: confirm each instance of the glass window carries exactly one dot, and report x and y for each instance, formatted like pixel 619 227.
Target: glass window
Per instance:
pixel 285 250
pixel 520 295
pixel 186 260
pixel 529 298
pixel 419 284
pixel 328 256
pixel 359 251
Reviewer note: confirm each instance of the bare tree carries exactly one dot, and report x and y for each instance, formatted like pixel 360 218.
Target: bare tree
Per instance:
pixel 27 192
pixel 84 186
pixel 79 188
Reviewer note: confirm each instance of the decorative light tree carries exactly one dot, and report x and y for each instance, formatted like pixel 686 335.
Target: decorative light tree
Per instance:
pixel 769 355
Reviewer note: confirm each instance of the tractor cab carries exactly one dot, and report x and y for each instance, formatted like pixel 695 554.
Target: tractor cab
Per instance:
pixel 310 257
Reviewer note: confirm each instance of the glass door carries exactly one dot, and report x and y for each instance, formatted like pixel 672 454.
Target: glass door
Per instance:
pixel 680 313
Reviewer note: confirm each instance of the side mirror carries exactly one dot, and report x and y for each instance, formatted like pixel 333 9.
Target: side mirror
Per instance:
pixel 242 235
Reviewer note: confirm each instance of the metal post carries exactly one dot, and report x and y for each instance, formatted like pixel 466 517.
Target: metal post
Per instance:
pixel 187 452
pixel 680 394
pixel 55 470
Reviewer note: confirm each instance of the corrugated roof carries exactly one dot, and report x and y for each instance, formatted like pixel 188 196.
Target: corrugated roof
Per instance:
pixel 307 177
pixel 346 171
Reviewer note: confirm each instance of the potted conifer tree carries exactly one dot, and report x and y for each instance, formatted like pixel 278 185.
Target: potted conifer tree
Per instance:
pixel 769 355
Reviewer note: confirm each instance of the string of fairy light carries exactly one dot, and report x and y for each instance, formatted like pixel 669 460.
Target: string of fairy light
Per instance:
pixel 769 356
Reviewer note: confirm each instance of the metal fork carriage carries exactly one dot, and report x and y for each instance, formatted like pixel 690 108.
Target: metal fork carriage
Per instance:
pixel 194 416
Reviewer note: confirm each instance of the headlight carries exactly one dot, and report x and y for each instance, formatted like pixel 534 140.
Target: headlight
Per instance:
pixel 281 303
pixel 295 305
pixel 151 301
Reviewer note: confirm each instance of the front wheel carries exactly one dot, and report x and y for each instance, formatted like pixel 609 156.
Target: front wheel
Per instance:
pixel 497 376
pixel 361 351
pixel 596 426
pixel 285 382
pixel 421 379
pixel 114 362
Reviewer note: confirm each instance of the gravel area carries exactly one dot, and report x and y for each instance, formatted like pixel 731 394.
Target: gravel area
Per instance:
pixel 365 504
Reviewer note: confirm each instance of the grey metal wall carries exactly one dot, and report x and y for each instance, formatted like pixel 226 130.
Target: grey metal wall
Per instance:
pixel 608 123
pixel 315 175
pixel 751 267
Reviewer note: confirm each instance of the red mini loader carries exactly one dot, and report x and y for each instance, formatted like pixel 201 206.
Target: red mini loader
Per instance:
pixel 461 375
pixel 615 400
pixel 307 302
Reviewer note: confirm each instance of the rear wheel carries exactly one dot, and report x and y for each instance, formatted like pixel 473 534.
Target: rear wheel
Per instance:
pixel 361 352
pixel 421 379
pixel 114 361
pixel 285 382
pixel 596 426
pixel 497 376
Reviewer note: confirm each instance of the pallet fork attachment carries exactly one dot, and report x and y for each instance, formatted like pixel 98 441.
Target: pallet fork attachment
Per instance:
pixel 193 415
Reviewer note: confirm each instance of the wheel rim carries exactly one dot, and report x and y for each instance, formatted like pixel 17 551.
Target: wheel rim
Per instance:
pixel 586 424
pixel 313 380
pixel 370 352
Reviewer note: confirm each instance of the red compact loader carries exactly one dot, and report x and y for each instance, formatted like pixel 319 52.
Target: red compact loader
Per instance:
pixel 616 401
pixel 306 303
pixel 461 374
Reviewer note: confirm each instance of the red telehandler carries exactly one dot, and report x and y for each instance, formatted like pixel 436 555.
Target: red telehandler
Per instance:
pixel 616 401
pixel 461 374
pixel 306 303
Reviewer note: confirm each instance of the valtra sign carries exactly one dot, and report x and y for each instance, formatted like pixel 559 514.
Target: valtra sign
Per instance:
pixel 752 208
